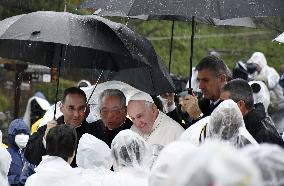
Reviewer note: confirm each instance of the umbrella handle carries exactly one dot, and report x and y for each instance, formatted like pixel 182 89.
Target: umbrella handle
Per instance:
pixel 57 84
pixel 191 50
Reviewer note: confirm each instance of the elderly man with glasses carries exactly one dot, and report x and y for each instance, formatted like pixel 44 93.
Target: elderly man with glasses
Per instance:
pixel 75 110
pixel 113 111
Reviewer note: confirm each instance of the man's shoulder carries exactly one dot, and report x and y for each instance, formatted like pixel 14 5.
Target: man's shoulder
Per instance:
pixel 168 122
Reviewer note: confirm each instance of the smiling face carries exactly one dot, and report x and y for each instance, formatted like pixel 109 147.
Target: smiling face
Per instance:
pixel 142 116
pixel 112 112
pixel 210 84
pixel 74 109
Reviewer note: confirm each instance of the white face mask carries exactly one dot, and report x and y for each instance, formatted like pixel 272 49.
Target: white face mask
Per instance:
pixel 21 140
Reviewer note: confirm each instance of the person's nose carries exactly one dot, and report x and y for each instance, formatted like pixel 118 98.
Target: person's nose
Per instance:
pixel 76 113
pixel 201 85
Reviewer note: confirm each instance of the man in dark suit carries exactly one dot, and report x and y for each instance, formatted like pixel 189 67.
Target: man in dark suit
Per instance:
pixel 259 125
pixel 75 110
pixel 113 111
pixel 212 76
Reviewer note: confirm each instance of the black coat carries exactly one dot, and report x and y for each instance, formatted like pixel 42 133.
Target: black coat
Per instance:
pixel 108 135
pixel 35 149
pixel 262 128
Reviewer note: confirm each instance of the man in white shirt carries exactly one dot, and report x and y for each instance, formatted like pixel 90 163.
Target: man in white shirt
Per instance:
pixel 154 126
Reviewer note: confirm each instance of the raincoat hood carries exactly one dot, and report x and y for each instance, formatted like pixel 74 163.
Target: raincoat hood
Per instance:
pixel 55 171
pixel 128 149
pixel 226 123
pixel 269 159
pixel 42 102
pixel 217 163
pixel 17 126
pixel 166 169
pixel 5 161
pixel 259 59
pixel 93 153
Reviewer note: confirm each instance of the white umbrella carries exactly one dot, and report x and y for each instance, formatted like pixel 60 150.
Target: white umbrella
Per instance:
pixel 94 110
pixel 280 38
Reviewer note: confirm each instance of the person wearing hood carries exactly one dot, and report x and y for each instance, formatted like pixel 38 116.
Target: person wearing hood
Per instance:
pixel 272 75
pixel 55 169
pixel 18 136
pixel 131 160
pixel 258 124
pixel 269 159
pixel 226 124
pixel 36 107
pixel 93 159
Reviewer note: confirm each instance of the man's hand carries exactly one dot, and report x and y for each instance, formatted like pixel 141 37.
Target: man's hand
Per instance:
pixel 190 104
pixel 49 125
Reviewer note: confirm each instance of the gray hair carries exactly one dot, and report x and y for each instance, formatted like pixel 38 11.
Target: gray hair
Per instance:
pixel 113 92
pixel 240 90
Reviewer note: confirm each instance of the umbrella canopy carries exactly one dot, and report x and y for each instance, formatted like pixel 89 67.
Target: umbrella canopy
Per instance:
pixel 155 80
pixel 221 9
pixel 48 38
pixel 184 9
pixel 280 38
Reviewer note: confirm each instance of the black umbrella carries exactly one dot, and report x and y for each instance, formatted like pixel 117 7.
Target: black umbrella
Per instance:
pixel 244 21
pixel 155 80
pixel 220 9
pixel 47 38
pixel 58 39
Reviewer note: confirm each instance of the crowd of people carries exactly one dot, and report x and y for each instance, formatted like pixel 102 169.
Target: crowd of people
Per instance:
pixel 221 134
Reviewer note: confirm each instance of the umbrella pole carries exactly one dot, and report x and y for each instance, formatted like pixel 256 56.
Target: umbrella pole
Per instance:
pixel 191 54
pixel 57 84
pixel 95 86
pixel 171 45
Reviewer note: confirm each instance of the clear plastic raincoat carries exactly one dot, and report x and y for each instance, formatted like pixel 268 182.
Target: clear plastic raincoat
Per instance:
pixel 217 163
pixel 132 158
pixel 168 166
pixel 226 123
pixel 93 159
pixel 269 72
pixel 55 171
pixel 269 159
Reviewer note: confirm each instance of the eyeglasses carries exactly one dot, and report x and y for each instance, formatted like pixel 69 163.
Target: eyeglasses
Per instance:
pixel 105 111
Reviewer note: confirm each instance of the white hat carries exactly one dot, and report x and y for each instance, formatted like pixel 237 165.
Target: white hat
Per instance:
pixel 141 96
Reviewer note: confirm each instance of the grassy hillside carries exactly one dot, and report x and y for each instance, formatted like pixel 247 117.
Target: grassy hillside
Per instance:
pixel 234 43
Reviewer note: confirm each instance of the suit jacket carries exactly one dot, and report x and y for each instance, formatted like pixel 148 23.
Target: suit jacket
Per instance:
pixel 35 149
pixel 108 135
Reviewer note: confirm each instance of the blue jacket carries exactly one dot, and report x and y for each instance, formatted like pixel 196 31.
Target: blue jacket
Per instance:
pixel 17 126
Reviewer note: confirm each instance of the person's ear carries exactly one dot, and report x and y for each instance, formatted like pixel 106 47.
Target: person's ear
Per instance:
pixel 61 107
pixel 223 78
pixel 154 108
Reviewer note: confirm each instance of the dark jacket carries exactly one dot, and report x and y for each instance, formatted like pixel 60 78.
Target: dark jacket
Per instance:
pixel 108 135
pixel 262 128
pixel 18 160
pixel 35 149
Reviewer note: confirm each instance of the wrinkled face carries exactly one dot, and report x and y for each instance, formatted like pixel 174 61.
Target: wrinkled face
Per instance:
pixel 112 112
pixel 74 109
pixel 210 84
pixel 142 117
